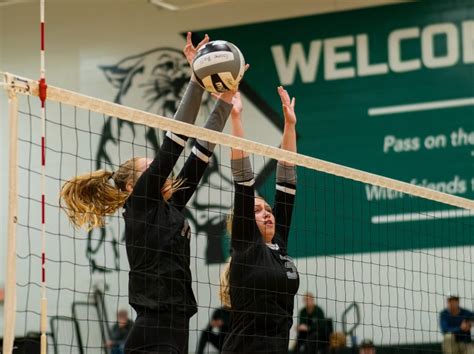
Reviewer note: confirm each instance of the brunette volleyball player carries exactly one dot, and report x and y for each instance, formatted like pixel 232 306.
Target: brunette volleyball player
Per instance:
pixel 260 284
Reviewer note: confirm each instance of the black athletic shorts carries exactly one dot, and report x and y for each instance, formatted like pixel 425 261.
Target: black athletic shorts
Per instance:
pixel 158 333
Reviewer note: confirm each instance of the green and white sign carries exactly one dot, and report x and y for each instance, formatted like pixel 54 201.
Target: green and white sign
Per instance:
pixel 389 90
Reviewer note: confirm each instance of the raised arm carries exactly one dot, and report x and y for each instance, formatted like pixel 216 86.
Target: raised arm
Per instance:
pixel 196 164
pixel 237 126
pixel 286 172
pixel 243 222
pixel 151 182
pixel 289 132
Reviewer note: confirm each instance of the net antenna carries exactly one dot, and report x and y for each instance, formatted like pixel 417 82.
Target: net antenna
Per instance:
pixel 42 97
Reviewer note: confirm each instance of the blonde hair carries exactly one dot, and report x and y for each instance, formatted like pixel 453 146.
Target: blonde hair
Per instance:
pixel 224 291
pixel 90 197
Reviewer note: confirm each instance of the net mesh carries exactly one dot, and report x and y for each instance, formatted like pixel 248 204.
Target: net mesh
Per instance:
pixel 379 261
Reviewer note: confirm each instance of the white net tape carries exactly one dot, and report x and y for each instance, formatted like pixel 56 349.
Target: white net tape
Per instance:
pixel 27 86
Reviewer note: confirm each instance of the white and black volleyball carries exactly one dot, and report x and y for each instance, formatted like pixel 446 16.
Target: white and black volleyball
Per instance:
pixel 219 66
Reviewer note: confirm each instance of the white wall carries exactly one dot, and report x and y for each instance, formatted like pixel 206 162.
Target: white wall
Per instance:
pixel 83 35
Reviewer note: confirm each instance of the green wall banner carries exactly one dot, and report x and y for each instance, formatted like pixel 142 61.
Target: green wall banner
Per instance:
pixel 389 90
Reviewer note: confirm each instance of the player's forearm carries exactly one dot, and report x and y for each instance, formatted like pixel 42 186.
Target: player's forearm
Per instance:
pixel 191 102
pixel 289 140
pixel 217 120
pixel 238 131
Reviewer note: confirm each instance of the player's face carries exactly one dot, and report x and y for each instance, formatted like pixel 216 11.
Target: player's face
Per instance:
pixel 265 219
pixel 141 166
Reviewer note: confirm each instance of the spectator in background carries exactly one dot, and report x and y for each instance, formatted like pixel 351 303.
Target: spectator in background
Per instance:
pixel 313 328
pixel 366 347
pixel 119 332
pixel 455 323
pixel 216 331
pixel 2 295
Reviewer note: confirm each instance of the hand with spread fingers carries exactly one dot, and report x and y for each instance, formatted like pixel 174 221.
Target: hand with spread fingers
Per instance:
pixel 190 50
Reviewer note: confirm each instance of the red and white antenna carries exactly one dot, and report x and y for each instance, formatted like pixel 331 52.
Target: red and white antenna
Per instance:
pixel 42 95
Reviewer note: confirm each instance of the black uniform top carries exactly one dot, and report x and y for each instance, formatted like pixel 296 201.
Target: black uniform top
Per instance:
pixel 158 235
pixel 263 280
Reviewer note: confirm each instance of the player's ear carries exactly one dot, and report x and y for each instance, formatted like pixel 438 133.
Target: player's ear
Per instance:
pixel 129 186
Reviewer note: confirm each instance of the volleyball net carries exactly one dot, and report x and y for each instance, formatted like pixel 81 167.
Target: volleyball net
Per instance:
pixel 379 255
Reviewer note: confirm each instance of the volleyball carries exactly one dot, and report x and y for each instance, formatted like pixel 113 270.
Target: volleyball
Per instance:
pixel 219 66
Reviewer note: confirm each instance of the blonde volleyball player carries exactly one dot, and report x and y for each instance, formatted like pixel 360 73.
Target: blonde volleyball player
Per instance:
pixel 156 231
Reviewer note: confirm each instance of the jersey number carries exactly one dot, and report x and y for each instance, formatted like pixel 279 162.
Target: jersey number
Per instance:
pixel 291 271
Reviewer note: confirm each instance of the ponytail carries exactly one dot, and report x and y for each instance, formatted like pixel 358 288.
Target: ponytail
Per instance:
pixel 89 198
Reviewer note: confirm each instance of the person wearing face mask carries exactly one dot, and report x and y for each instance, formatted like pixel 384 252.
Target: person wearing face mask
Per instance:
pixel 261 280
